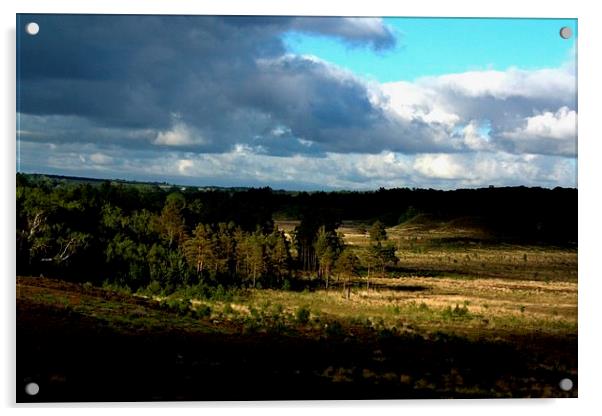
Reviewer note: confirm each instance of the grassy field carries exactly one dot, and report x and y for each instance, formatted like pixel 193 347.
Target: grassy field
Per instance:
pixel 461 248
pixel 481 306
pixel 460 316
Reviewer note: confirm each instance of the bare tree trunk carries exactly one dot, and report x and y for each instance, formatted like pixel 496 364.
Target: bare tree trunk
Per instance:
pixel 305 258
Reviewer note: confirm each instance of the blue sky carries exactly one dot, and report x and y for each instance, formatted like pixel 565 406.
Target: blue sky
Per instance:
pixel 428 47
pixel 299 102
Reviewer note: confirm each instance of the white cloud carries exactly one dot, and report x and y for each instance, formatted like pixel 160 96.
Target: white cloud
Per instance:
pixel 486 168
pixel 474 138
pixel 180 134
pixel 466 130
pixel 185 166
pixel 248 111
pixel 555 132
pixel 413 102
pixel 243 166
pixel 560 125
pixel 525 111
pixel 542 83
pixel 442 166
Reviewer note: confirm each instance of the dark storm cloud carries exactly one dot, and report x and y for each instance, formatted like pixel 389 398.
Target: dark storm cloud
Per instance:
pixel 219 100
pixel 207 83
pixel 135 70
pixel 352 30
pixel 356 31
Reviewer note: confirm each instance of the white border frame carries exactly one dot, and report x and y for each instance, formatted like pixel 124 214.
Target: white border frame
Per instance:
pixel 589 68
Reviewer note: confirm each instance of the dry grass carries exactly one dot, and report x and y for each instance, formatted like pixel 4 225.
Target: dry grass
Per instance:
pixel 492 306
pixel 469 288
pixel 346 343
pixel 427 247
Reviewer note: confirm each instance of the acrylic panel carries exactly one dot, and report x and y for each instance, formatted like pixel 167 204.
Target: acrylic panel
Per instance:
pixel 294 208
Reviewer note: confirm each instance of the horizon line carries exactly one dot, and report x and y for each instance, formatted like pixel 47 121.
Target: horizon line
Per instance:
pixel 170 184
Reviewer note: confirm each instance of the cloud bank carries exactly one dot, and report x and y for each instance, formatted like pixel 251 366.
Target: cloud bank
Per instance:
pixel 220 99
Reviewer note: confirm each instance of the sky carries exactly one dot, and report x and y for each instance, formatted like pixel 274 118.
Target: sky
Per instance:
pixel 305 103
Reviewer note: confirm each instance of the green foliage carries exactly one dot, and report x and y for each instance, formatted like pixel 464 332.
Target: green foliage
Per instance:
pixel 228 310
pixel 278 256
pixel 395 310
pixel 204 291
pixel 377 232
pixel 199 250
pixel 203 244
pixel 347 264
pixel 381 256
pixel 254 312
pixel 278 309
pixel 221 294
pixel 154 288
pixel 116 287
pixel 302 315
pixel 203 311
pixel 327 247
pixel 181 307
pixel 176 200
pixel 170 223
pixel 458 312
pixel 334 329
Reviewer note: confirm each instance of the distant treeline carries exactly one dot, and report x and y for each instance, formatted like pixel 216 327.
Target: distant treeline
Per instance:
pixel 531 215
pixel 150 235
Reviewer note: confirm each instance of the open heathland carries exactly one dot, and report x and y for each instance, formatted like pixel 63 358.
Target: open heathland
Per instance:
pixel 133 293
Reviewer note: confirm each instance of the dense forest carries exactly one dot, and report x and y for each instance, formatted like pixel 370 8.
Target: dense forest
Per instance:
pixel 159 238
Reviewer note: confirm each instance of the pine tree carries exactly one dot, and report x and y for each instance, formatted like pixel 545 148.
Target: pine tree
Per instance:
pixel 199 250
pixel 377 232
pixel 327 247
pixel 347 267
pixel 256 252
pixel 278 254
pixel 170 223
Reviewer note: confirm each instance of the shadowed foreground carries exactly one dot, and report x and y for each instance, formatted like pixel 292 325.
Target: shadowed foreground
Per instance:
pixel 89 344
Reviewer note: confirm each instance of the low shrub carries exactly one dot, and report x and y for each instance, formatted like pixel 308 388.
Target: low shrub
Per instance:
pixel 176 305
pixel 302 315
pixel 154 288
pixel 228 310
pixel 457 312
pixel 334 329
pixel 203 311
pixel 115 287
